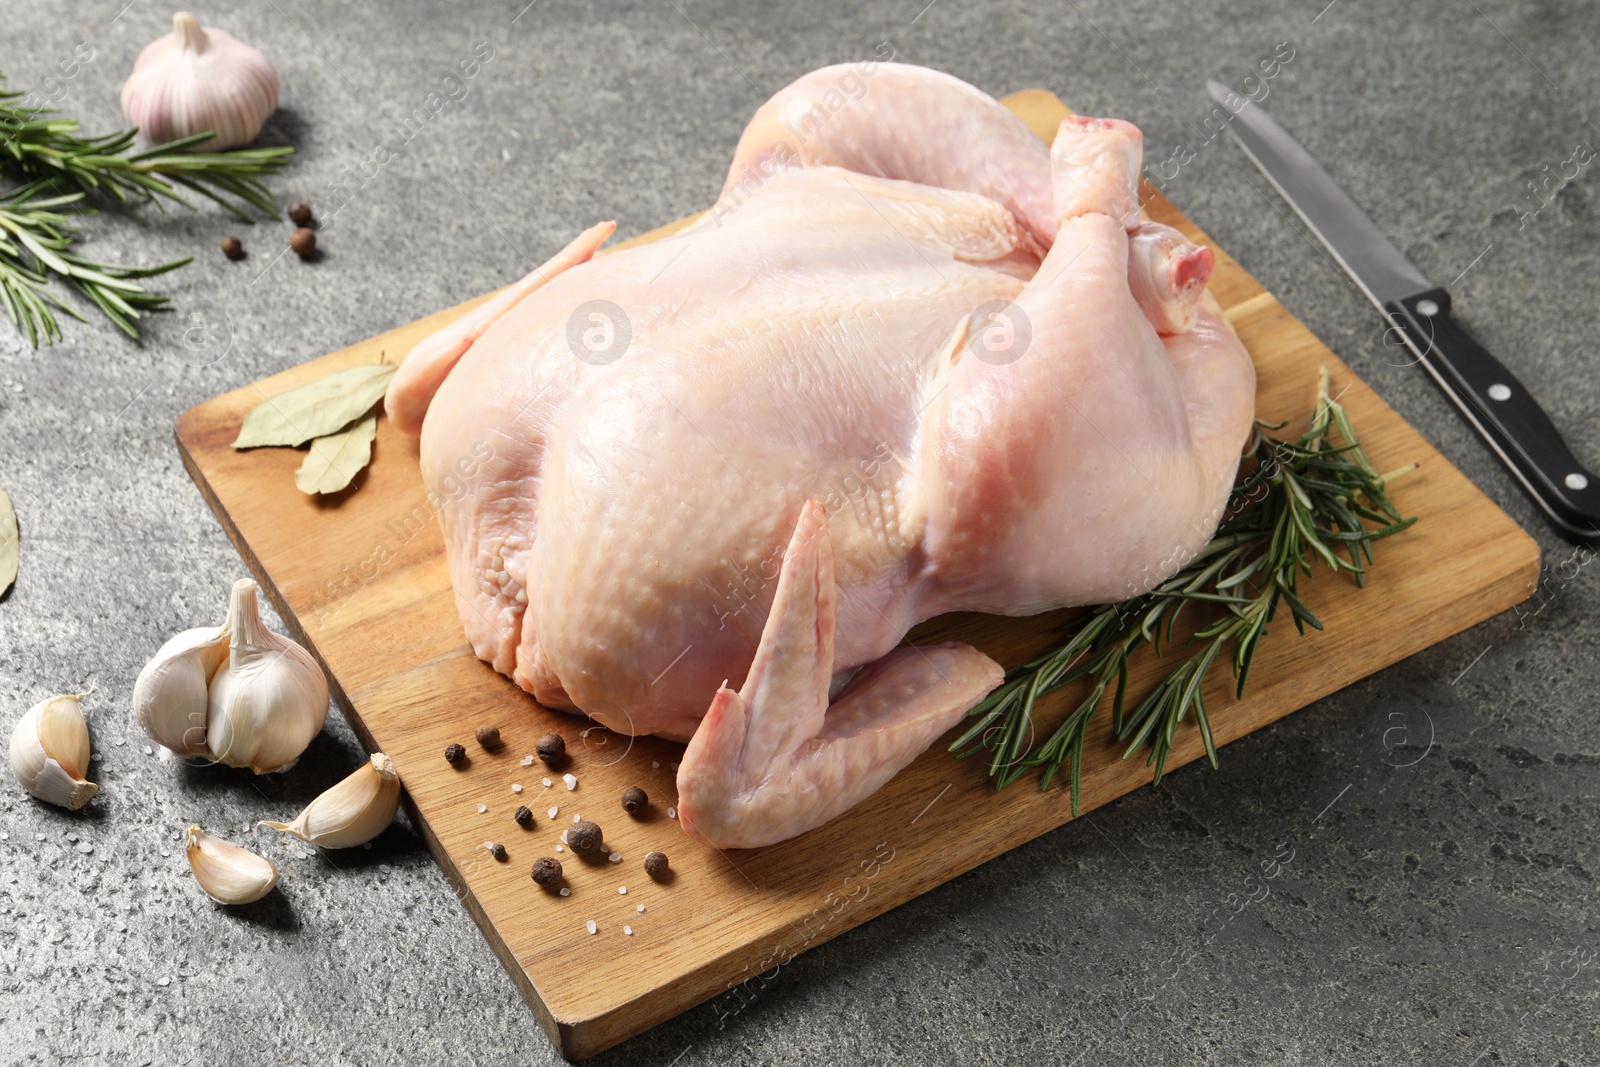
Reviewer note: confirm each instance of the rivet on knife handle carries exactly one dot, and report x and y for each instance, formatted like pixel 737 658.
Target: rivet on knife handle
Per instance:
pixel 1502 410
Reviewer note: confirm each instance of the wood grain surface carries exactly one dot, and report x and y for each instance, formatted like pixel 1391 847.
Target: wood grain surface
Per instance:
pixel 360 578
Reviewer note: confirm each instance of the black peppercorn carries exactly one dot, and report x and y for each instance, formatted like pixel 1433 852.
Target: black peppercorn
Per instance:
pixel 455 755
pixel 497 850
pixel 583 836
pixel 304 242
pixel 489 737
pixel 634 799
pixel 299 212
pixel 232 247
pixel 524 817
pixel 655 865
pixel 547 871
pixel 551 748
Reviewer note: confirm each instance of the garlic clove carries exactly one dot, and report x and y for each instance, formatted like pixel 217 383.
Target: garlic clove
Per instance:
pixel 198 79
pixel 171 694
pixel 352 812
pixel 229 873
pixel 269 699
pixel 50 752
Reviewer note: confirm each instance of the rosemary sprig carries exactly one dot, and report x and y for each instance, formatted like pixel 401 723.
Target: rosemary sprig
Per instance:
pixel 57 173
pixel 1298 503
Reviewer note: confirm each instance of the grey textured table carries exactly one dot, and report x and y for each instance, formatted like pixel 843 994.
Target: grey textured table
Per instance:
pixel 1440 903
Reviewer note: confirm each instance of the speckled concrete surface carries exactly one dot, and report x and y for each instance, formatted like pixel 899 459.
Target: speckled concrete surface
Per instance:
pixel 1439 906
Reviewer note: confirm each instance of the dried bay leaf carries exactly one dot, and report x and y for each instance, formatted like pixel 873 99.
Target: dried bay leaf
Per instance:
pixel 10 543
pixel 316 409
pixel 336 459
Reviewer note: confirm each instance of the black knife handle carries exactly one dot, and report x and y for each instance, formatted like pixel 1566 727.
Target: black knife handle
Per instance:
pixel 1504 413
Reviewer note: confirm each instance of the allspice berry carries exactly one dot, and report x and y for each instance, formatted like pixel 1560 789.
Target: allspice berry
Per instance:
pixel 634 800
pixel 547 871
pixel 583 836
pixel 455 755
pixel 551 748
pixel 655 865
pixel 497 850
pixel 524 817
pixel 232 247
pixel 304 242
pixel 489 737
pixel 299 212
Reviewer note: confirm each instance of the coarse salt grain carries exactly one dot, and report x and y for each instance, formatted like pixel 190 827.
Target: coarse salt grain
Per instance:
pixel 628 930
pixel 641 909
pixel 672 813
pixel 564 840
pixel 655 763
pixel 615 857
pixel 482 808
pixel 547 782
pixel 571 780
pixel 593 929
pixel 553 812
pixel 622 890
pixel 527 761
pixel 566 891
pixel 560 849
pixel 577 818
pixel 516 787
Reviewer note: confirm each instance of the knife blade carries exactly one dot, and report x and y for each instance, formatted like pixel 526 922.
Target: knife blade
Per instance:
pixel 1487 394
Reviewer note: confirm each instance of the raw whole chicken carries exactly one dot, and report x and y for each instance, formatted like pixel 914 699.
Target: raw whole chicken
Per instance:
pixel 912 362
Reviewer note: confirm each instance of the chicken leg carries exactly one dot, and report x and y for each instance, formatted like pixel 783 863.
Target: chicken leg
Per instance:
pixel 1093 456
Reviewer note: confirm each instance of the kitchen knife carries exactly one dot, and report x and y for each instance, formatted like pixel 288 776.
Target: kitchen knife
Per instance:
pixel 1503 412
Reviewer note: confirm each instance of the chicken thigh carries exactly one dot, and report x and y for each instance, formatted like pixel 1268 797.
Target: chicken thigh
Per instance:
pixel 912 362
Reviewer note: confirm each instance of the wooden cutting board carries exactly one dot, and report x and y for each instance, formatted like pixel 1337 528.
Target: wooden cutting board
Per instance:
pixel 361 580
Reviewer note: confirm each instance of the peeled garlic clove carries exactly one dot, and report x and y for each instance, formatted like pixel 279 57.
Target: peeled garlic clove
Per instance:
pixel 228 873
pixel 196 80
pixel 170 696
pixel 352 812
pixel 50 752
pixel 269 699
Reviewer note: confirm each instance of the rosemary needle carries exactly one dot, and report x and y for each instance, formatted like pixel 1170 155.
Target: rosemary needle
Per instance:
pixel 1315 500
pixel 56 173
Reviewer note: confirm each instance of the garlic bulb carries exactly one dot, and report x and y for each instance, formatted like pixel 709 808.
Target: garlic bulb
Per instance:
pixel 237 693
pixel 196 80
pixel 270 698
pixel 228 873
pixel 172 692
pixel 50 752
pixel 352 812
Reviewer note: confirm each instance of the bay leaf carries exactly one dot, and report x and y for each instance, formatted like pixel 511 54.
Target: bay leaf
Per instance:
pixel 336 459
pixel 10 543
pixel 317 408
